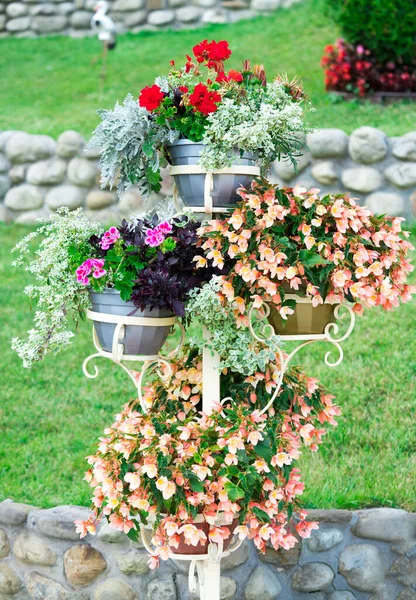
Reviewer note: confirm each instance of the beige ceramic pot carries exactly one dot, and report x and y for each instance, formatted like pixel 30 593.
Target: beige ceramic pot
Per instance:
pixel 306 320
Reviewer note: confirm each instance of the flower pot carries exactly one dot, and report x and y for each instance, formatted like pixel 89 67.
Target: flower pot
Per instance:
pixel 200 548
pixel 190 178
pixel 138 337
pixel 306 320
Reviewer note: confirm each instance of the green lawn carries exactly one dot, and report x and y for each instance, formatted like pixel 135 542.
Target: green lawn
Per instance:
pixel 52 84
pixel 51 416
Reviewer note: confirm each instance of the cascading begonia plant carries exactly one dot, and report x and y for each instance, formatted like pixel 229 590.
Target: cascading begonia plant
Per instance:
pixel 229 111
pixel 280 241
pixel 235 466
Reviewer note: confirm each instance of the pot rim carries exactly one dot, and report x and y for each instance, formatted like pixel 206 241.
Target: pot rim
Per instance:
pixel 188 142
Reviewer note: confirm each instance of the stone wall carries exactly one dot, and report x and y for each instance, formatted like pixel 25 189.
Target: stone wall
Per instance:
pixel 32 18
pixel 39 174
pixel 362 555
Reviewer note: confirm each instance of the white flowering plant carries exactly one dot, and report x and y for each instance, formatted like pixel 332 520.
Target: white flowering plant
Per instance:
pixel 228 111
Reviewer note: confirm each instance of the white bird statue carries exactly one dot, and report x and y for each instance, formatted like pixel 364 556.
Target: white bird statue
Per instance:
pixel 104 25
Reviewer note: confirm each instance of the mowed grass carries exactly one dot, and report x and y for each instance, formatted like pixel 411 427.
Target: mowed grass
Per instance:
pixel 51 415
pixel 51 85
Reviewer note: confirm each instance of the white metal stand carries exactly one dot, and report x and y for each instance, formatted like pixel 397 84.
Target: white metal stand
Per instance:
pixel 206 568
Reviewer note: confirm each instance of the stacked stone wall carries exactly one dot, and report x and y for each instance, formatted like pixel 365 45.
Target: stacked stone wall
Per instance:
pixel 39 174
pixel 33 18
pixel 362 555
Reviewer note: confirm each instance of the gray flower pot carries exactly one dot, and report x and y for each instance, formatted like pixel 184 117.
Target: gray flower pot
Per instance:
pixel 191 187
pixel 138 339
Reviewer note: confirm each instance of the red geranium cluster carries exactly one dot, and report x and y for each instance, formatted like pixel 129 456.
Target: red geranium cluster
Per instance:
pixel 151 97
pixel 355 70
pixel 204 100
pixel 213 53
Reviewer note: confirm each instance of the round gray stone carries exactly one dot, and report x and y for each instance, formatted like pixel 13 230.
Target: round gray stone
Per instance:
pixel 131 201
pixel 265 5
pixel 9 581
pixel 16 9
pixel 17 173
pixel 31 217
pixel 29 548
pixel 402 175
pixel 100 199
pixel 133 19
pixel 325 172
pixel 23 147
pixel 262 585
pixel 205 3
pixel 66 195
pixel 4 544
pixel 4 164
pixel 110 535
pixel 312 577
pixel 6 215
pixel 362 179
pixel 19 24
pixel 114 589
pixel 106 216
pixel 215 15
pixel 43 9
pixel 14 513
pixel 69 144
pixel 236 558
pixel 82 172
pixel 58 522
pixel 5 184
pixel 385 203
pixel 188 14
pixel 286 171
pixel 49 24
pixel 5 137
pixel 405 147
pixel 159 18
pixel 327 143
pixel 162 589
pixel 80 19
pixel 24 197
pixel 127 5
pixel 3 25
pixel 322 540
pixel 385 524
pixel 228 587
pixel 362 566
pixel 133 563
pixel 65 8
pixel 368 145
pixel 41 587
pixel 47 172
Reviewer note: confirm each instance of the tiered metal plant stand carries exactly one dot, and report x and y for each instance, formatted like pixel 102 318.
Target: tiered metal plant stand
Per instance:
pixel 207 567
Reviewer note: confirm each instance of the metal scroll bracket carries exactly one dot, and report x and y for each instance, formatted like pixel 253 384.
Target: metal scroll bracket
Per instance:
pixel 160 363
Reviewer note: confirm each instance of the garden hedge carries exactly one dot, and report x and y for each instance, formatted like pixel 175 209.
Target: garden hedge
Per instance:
pixel 386 27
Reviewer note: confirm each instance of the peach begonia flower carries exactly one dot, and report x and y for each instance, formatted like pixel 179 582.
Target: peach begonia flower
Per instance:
pixel 193 536
pixel 150 470
pixel 133 479
pixel 261 466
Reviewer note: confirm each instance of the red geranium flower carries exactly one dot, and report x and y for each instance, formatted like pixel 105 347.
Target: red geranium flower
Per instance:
pixel 151 97
pixel 212 52
pixel 235 75
pixel 203 100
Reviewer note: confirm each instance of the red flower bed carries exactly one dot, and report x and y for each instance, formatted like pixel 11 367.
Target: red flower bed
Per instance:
pixel 354 70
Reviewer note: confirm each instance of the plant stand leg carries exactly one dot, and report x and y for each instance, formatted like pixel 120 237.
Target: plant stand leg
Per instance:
pixel 209 574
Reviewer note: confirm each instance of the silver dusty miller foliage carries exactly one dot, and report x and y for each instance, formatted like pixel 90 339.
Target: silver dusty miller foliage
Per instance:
pixel 129 142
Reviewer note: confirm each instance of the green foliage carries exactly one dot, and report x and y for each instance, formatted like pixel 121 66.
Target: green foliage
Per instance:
pixel 386 27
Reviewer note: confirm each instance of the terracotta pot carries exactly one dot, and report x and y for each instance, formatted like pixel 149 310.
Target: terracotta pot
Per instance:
pixel 200 524
pixel 306 320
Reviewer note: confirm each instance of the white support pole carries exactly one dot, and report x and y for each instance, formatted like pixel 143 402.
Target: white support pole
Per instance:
pixel 209 572
pixel 209 575
pixel 210 377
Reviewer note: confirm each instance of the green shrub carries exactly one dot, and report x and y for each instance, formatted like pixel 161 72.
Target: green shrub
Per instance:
pixel 386 27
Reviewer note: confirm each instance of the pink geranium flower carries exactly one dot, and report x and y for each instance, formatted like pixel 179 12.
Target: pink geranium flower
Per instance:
pixel 109 238
pixel 91 265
